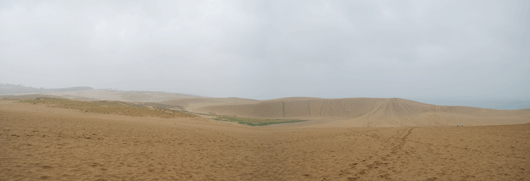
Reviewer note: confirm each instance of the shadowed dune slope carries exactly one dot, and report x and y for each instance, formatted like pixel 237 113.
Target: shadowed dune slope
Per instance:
pixel 371 112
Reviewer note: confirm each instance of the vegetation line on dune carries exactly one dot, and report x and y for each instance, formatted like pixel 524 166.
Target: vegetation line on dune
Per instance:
pixel 254 121
pixel 145 109
pixel 110 107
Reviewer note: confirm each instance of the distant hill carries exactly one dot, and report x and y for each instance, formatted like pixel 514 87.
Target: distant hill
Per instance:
pixel 89 93
pixel 127 96
pixel 21 89
pixel 370 112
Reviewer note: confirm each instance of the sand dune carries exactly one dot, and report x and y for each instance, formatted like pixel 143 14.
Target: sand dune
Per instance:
pixel 195 104
pixel 371 112
pixel 127 96
pixel 44 143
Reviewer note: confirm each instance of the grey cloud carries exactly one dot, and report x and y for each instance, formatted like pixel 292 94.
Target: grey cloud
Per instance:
pixel 268 49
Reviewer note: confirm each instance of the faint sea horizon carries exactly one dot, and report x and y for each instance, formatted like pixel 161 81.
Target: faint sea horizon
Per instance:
pixel 495 104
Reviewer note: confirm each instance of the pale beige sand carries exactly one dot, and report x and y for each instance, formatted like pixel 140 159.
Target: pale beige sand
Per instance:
pixel 42 143
pixel 370 112
pixel 197 104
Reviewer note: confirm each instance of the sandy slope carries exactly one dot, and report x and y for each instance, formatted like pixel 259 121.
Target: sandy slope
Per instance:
pixel 127 96
pixel 371 112
pixel 196 104
pixel 42 143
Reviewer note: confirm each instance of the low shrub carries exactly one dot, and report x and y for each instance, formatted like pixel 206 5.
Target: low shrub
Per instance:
pixel 255 121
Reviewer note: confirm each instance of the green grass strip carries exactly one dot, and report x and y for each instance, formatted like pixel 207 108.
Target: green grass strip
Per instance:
pixel 256 121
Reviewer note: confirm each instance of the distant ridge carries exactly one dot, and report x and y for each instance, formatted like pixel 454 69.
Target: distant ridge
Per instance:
pixel 21 89
pixel 370 112
pixel 89 93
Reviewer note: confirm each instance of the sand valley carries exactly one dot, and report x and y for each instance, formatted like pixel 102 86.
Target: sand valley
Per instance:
pixel 342 139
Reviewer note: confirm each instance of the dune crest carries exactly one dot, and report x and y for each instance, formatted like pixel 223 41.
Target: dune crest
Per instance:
pixel 369 112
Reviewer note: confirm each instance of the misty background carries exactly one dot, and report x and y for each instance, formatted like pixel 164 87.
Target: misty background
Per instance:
pixel 471 53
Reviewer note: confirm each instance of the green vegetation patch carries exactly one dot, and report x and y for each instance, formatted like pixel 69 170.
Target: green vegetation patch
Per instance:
pixel 255 121
pixel 110 107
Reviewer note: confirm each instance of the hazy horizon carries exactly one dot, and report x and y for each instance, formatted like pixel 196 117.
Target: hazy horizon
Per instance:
pixel 491 104
pixel 472 53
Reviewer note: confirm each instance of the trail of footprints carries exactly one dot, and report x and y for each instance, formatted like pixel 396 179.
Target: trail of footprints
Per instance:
pixel 380 162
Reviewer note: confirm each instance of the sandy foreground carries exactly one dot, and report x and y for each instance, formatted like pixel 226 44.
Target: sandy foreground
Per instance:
pixel 43 143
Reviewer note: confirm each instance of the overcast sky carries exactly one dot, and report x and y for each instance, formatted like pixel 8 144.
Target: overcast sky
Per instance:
pixel 426 49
